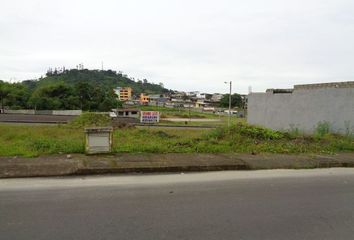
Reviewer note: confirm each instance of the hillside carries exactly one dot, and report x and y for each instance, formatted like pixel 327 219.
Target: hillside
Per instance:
pixel 89 90
pixel 106 79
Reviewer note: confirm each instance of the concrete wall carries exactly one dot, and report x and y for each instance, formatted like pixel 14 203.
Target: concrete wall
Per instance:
pixel 45 112
pixel 304 108
pixel 23 111
pixel 67 112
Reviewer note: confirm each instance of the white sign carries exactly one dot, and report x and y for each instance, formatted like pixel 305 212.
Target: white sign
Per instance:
pixel 149 117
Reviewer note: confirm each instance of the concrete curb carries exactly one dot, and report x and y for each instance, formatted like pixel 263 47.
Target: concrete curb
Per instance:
pixel 61 165
pixel 172 169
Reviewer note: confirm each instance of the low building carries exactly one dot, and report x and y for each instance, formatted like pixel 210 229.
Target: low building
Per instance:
pixel 305 107
pixel 133 113
pixel 202 104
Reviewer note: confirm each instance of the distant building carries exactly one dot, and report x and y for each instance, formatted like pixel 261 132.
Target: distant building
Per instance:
pixel 201 103
pixel 124 94
pixel 216 97
pixel 155 97
pixel 178 95
pixel 201 95
pixel 144 99
pixel 192 94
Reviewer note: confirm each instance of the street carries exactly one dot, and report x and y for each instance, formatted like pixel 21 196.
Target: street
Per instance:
pixel 34 119
pixel 270 204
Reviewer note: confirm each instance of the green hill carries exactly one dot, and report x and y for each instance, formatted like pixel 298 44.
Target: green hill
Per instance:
pixel 106 79
pixel 89 90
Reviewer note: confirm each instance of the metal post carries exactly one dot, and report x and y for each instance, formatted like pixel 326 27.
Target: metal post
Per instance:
pixel 189 111
pixel 230 105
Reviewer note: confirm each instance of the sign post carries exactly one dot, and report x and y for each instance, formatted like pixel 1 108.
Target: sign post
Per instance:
pixel 149 117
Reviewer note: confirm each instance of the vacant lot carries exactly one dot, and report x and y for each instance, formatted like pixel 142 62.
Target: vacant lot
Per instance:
pixel 40 140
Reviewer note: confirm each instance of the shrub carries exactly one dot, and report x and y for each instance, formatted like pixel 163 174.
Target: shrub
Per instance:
pixel 162 134
pixel 247 131
pixel 348 129
pixel 256 132
pixel 322 129
pixel 218 133
pixel 90 119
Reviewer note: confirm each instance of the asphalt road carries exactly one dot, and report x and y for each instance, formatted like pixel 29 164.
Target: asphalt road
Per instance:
pixel 23 118
pixel 277 204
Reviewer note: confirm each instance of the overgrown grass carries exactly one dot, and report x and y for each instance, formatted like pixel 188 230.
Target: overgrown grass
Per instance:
pixel 178 112
pixel 217 122
pixel 240 138
pixel 31 141
pixel 90 119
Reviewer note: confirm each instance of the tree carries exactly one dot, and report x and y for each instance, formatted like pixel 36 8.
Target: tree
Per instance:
pixel 85 93
pixel 18 95
pixel 58 96
pixel 4 92
pixel 236 100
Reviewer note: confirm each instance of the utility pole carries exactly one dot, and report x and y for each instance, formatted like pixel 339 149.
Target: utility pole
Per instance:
pixel 189 110
pixel 229 119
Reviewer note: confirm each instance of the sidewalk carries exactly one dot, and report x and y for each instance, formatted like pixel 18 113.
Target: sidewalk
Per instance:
pixel 79 164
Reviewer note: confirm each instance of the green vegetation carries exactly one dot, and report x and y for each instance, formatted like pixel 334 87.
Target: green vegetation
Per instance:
pixel 89 90
pixel 322 129
pixel 236 101
pixel 178 112
pixel 240 138
pixel 30 141
pixel 90 119
pixel 15 95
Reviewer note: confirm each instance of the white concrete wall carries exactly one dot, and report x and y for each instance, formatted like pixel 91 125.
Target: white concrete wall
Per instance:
pixel 22 111
pixel 303 109
pixel 67 112
pixel 45 112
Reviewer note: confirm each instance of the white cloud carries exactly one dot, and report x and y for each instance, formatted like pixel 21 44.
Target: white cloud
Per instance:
pixel 188 45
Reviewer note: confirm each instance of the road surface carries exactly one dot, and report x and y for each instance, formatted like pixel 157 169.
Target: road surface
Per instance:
pixel 276 204
pixel 24 118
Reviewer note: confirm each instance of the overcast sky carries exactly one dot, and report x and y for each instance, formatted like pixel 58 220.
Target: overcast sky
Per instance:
pixel 186 44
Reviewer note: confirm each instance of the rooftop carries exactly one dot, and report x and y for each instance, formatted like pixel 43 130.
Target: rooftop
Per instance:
pixel 349 84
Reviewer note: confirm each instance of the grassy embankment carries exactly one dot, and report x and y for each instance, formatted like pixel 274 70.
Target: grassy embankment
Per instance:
pixel 32 141
pixel 206 118
pixel 179 112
